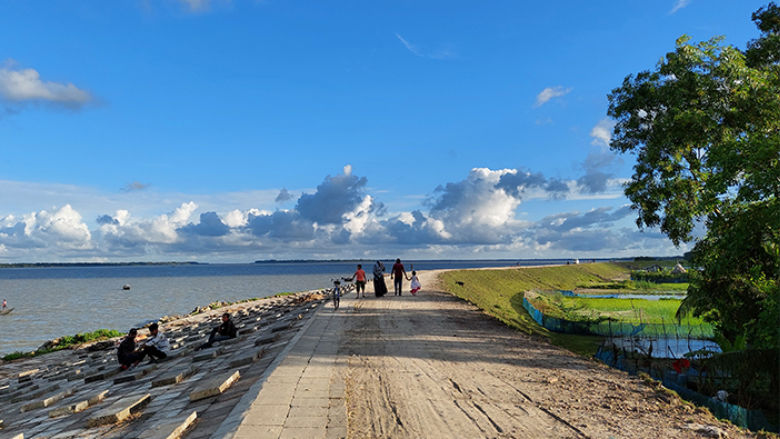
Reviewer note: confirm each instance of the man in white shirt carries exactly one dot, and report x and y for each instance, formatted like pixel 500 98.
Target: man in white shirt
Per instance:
pixel 156 346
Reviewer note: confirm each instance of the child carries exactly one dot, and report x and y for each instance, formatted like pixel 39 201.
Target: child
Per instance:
pixel 415 284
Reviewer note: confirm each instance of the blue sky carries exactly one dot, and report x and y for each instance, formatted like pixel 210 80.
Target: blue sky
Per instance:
pixel 159 130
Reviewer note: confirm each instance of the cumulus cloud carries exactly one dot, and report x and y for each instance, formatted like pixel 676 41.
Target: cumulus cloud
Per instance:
pixel 25 85
pixel 62 228
pixel 480 215
pixel 210 225
pixel 476 209
pixel 549 93
pixel 589 231
pixel 334 197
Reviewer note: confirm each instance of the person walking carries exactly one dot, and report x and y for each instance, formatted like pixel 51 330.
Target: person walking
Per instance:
pixel 398 274
pixel 5 304
pixel 416 286
pixel 380 289
pixel 360 281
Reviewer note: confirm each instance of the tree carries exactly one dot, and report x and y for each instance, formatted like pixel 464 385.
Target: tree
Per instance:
pixel 705 128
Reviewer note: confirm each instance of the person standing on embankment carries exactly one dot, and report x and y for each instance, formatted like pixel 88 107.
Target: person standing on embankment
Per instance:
pixel 360 281
pixel 380 289
pixel 398 273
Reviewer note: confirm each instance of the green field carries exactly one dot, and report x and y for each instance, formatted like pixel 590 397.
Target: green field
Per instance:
pixel 659 316
pixel 500 294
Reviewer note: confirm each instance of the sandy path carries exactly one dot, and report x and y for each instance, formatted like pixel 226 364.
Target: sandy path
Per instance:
pixel 436 366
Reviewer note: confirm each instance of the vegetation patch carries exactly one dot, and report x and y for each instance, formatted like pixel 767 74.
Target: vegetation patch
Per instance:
pixel 65 342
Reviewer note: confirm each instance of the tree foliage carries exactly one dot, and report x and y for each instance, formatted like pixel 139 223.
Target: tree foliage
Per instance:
pixel 705 128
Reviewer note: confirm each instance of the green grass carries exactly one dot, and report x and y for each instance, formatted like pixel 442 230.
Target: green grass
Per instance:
pixel 500 294
pixel 66 342
pixel 626 310
pixel 638 287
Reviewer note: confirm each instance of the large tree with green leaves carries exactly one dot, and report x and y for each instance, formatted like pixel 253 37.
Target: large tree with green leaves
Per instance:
pixel 705 128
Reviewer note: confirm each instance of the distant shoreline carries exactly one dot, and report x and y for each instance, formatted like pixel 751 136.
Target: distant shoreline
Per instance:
pixel 299 261
pixel 91 264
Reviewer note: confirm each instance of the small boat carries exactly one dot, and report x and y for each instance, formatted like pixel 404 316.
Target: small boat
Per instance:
pixel 6 311
pixel 126 286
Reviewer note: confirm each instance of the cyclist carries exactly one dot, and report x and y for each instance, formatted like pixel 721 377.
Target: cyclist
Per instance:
pixel 336 293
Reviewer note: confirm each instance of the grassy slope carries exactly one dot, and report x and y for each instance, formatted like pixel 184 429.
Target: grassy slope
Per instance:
pixel 500 294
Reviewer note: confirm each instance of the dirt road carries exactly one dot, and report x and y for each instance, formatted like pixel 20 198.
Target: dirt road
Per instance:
pixel 436 366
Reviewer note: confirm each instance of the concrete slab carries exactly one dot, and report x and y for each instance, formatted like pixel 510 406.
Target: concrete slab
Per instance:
pixel 214 386
pixel 119 411
pixel 79 406
pixel 174 377
pixel 171 430
pixel 249 359
pixel 46 402
pixel 102 375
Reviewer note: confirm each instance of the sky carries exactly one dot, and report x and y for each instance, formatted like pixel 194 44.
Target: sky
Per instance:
pixel 237 130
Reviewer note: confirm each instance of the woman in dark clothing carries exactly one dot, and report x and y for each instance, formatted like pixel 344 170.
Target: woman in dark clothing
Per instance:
pixel 380 289
pixel 127 354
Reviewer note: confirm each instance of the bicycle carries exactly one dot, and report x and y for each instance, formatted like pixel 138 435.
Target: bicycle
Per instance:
pixel 336 293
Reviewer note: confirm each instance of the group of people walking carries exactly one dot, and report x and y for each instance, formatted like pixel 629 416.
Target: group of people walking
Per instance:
pixel 397 275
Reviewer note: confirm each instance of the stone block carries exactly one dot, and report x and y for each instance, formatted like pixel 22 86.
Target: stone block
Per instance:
pixel 27 373
pixel 247 330
pixel 281 326
pixel 75 407
pixel 208 354
pixel 119 411
pixel 24 396
pixel 135 374
pixel 102 375
pixel 173 377
pixel 266 339
pixel 75 374
pixel 170 430
pixel 249 359
pixel 214 386
pixel 46 402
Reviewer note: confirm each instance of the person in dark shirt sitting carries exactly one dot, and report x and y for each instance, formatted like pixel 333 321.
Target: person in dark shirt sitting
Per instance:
pixel 225 331
pixel 127 355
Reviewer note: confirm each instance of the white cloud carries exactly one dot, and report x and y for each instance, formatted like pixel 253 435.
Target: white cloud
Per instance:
pixel 550 93
pixel 480 215
pixel 25 85
pixel 602 132
pixel 679 5
pixel 61 228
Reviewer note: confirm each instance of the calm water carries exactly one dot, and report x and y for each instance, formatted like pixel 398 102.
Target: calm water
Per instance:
pixel 51 302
